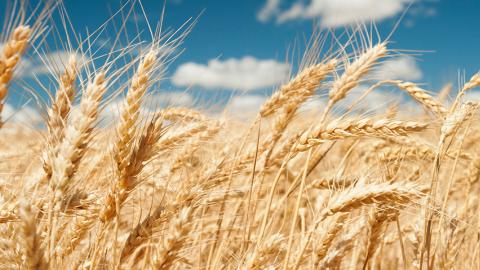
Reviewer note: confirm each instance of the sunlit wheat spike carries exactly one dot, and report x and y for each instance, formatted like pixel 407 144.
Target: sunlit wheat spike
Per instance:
pixel 473 82
pixel 354 71
pixel 307 80
pixel 365 127
pixel 9 58
pixel 58 115
pixel 423 98
pixel 77 134
pixel 30 239
pixel 129 115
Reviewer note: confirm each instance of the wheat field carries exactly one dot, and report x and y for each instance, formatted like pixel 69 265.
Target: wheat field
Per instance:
pixel 184 188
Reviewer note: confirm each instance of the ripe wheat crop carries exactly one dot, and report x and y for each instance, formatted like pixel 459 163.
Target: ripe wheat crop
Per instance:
pixel 186 188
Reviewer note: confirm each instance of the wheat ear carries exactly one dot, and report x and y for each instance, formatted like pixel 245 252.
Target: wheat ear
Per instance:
pixel 182 114
pixel 77 135
pixel 291 105
pixel 57 115
pixel 381 193
pixel 127 179
pixel 349 200
pixel 329 236
pixel 334 258
pixel 273 246
pixel 352 75
pixel 472 83
pixel 29 239
pixel 365 127
pixel 306 81
pixel 172 242
pixel 379 220
pixel 11 54
pixel 129 116
pixel 422 97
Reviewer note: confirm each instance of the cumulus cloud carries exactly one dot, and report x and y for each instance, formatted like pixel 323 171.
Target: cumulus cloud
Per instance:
pixel 54 62
pixel 335 13
pixel 23 115
pixel 270 8
pixel 376 102
pixel 245 106
pixel 398 68
pixel 45 64
pixel 165 99
pixel 247 73
pixel 152 103
pixel 472 96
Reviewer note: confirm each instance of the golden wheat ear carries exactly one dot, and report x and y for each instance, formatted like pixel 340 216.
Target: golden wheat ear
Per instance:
pixel 129 115
pixel 30 239
pixel 10 56
pixel 127 180
pixel 21 30
pixel 58 116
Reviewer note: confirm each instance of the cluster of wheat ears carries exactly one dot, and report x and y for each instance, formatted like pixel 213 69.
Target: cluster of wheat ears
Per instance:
pixel 184 189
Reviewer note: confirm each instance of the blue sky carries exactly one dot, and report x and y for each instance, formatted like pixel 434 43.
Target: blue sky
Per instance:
pixel 446 32
pixel 443 36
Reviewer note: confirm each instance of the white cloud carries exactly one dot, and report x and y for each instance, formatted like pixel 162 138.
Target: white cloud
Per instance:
pixel 245 106
pixel 247 73
pixel 297 10
pixel 23 115
pixel 472 96
pixel 55 62
pixel 165 99
pixel 152 103
pixel 314 104
pixel 270 9
pixel 398 68
pixel 335 13
pixel 45 64
pixel 376 102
